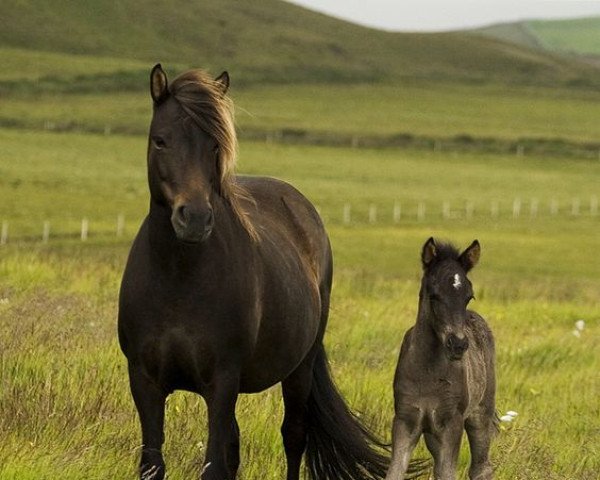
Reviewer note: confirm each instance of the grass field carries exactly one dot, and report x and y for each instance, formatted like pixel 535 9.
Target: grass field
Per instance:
pixel 66 410
pixel 437 111
pixel 75 110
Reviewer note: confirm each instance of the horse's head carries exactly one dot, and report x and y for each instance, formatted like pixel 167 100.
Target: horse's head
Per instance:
pixel 191 139
pixel 446 291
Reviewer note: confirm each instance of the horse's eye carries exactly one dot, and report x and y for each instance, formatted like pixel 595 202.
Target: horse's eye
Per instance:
pixel 159 142
pixel 434 297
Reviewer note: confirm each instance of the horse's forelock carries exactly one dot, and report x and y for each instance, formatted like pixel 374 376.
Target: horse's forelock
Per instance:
pixel 202 98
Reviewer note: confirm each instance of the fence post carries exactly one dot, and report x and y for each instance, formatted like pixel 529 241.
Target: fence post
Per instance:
pixel 84 229
pixel 594 205
pixel 372 213
pixel 347 214
pixel 520 150
pixel 495 209
pixel 46 232
pixel 516 207
pixel 446 210
pixel 469 209
pixel 397 213
pixel 575 207
pixel 4 233
pixel 533 208
pixel 421 211
pixel 120 225
pixel 553 207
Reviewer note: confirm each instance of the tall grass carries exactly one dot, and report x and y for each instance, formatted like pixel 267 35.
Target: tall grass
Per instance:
pixel 65 408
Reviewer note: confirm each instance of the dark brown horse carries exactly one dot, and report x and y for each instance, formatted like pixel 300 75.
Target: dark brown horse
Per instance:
pixel 226 291
pixel 445 380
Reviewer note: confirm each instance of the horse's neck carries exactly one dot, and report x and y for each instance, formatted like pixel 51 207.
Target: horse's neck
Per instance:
pixel 425 341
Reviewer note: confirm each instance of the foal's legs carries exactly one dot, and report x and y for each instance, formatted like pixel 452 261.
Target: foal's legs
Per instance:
pixel 406 431
pixel 480 431
pixel 150 403
pixel 222 453
pixel 444 445
pixel 296 390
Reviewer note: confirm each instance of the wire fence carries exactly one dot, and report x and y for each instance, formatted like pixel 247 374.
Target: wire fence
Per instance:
pixel 358 213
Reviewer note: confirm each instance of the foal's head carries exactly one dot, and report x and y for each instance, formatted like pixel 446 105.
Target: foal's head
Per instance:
pixel 446 291
pixel 191 149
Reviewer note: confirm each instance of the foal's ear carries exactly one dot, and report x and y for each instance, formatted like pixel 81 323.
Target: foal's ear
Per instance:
pixel 159 85
pixel 223 82
pixel 429 252
pixel 469 258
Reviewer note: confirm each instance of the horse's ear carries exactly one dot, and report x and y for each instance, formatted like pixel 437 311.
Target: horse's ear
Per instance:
pixel 469 258
pixel 223 82
pixel 159 85
pixel 429 252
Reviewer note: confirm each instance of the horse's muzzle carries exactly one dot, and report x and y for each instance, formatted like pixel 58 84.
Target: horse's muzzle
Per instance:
pixel 192 226
pixel 456 347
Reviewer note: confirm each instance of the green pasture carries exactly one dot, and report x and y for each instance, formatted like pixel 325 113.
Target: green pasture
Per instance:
pixel 64 401
pixel 74 112
pixel 100 177
pixel 437 111
pixel 575 35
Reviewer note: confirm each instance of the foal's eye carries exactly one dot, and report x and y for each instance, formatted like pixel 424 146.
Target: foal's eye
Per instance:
pixel 158 143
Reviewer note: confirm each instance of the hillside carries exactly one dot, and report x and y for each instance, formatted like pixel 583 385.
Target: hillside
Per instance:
pixel 580 36
pixel 267 41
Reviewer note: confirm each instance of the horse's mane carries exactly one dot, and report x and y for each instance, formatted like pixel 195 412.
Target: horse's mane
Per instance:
pixel 443 251
pixel 446 251
pixel 202 98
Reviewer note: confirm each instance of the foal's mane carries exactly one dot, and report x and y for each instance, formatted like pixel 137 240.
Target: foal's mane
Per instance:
pixel 202 98
pixel 446 251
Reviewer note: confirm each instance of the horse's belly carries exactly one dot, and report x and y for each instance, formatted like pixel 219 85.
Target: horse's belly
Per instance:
pixel 282 344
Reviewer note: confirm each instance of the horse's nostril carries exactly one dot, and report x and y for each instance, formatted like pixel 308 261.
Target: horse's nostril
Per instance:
pixel 182 215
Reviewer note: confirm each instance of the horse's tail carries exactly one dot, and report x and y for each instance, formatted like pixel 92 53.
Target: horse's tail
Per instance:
pixel 339 446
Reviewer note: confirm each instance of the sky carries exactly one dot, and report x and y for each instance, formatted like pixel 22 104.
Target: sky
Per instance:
pixel 436 15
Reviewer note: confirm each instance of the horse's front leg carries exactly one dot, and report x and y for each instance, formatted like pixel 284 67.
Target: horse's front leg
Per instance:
pixel 481 429
pixel 222 454
pixel 444 445
pixel 149 400
pixel 406 431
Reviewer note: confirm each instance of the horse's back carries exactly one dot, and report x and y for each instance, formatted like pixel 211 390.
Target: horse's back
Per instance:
pixel 482 333
pixel 283 214
pixel 483 363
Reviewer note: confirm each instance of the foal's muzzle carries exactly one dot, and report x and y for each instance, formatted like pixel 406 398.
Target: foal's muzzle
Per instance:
pixel 192 225
pixel 456 347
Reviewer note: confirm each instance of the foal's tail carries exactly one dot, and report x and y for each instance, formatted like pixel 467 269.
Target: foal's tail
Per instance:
pixel 339 446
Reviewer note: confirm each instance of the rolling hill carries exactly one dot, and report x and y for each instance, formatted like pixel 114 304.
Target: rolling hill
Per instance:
pixel 580 36
pixel 266 41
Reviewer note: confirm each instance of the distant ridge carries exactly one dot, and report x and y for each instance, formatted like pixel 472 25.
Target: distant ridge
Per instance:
pixel 272 41
pixel 580 36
